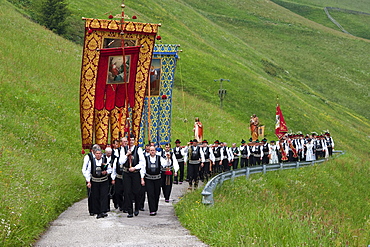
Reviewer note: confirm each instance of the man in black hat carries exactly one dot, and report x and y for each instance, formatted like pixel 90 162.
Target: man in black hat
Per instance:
pixel 196 160
pixel 205 171
pixel 226 156
pixel 251 154
pixel 216 149
pixel 244 154
pixel 257 153
pixel 235 156
pixel 329 143
pixel 180 153
pixel 265 150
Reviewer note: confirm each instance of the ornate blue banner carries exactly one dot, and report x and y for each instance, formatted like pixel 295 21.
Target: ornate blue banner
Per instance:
pixel 156 119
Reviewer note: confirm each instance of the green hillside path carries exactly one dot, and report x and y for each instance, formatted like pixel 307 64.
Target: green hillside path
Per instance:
pixel 75 227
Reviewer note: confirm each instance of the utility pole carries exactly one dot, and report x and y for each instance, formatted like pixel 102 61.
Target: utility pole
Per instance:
pixel 221 91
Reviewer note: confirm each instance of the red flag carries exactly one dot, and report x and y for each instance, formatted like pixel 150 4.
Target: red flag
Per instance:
pixel 280 125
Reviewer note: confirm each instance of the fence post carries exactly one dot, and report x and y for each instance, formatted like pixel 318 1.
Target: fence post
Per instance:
pixel 207 198
pixel 232 176
pixel 264 169
pixel 247 173
pixel 297 164
pixel 281 166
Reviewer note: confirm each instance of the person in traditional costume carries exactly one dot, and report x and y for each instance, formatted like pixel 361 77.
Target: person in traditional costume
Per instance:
pixel 310 150
pixel 273 153
pixel 169 169
pixel 216 150
pixel 133 162
pixel 257 153
pixel 205 171
pixel 265 150
pixel 196 160
pixel 153 178
pixel 226 157
pixel 109 158
pixel 96 175
pixel 329 143
pixel 180 153
pixel 244 154
pixel 235 156
pixel 89 158
pixel 251 159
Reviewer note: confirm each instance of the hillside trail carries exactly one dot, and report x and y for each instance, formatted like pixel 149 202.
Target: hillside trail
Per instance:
pixel 75 227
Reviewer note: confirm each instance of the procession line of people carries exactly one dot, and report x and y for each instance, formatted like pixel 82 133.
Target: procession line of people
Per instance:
pixel 127 174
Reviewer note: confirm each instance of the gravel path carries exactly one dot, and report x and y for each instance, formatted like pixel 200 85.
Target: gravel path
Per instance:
pixel 75 227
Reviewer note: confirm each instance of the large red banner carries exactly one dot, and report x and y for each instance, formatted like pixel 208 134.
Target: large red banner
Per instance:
pixel 280 126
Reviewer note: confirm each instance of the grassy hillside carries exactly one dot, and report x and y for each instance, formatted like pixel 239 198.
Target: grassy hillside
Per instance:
pixel 246 42
pixel 356 23
pixel 320 75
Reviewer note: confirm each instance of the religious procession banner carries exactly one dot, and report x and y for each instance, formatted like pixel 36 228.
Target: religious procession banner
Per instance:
pixel 115 68
pixel 156 119
pixel 280 126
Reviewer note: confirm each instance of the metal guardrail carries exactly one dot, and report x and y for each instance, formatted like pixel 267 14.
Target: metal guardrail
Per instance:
pixel 217 180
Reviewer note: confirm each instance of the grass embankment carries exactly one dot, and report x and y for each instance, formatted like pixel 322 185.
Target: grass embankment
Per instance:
pixel 259 46
pixel 39 175
pixel 324 205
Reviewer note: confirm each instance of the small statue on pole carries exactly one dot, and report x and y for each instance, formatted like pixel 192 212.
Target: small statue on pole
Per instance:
pixel 198 130
pixel 253 126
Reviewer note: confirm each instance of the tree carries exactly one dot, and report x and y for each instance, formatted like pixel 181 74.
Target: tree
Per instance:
pixel 54 14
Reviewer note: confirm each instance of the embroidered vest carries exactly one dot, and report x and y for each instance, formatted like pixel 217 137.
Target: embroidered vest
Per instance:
pixel 153 168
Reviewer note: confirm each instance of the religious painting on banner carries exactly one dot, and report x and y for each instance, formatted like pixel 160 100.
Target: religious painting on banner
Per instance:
pixel 116 72
pixel 155 77
pixel 114 75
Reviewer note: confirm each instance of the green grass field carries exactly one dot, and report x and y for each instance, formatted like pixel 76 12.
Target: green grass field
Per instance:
pixel 320 75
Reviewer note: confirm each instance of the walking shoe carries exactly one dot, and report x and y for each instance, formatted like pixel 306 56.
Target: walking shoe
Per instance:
pixel 136 213
pixel 153 213
pixel 130 215
pixel 167 200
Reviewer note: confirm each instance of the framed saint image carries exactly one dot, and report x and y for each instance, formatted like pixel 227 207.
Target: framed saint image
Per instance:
pixel 116 71
pixel 155 76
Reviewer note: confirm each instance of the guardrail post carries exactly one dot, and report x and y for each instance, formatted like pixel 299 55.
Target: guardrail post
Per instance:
pixel 247 173
pixel 264 169
pixel 207 198
pixel 297 165
pixel 232 176
pixel 281 166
